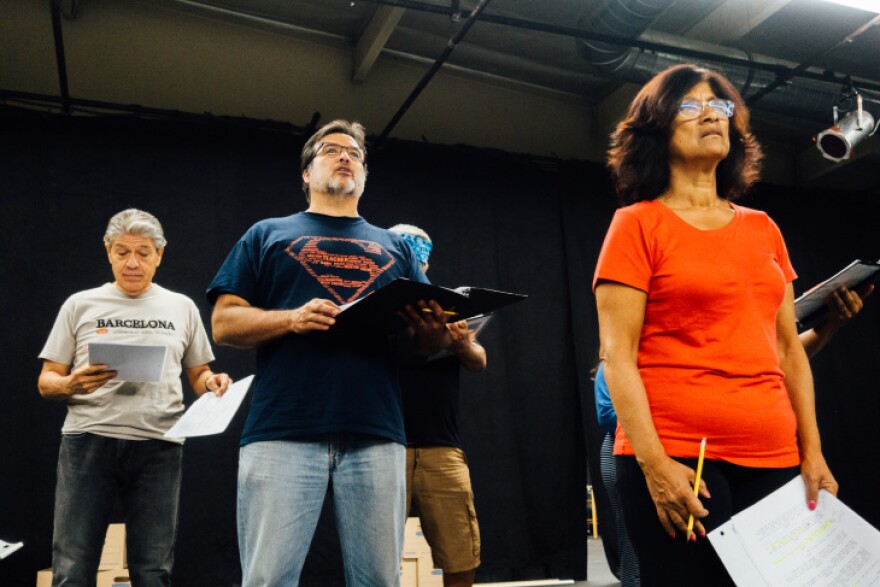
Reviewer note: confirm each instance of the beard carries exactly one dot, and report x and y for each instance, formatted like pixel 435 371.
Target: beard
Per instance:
pixel 339 186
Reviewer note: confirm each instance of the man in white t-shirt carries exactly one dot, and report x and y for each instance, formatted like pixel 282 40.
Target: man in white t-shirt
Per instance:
pixel 112 443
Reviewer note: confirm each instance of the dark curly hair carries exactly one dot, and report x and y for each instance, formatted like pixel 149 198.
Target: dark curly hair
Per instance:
pixel 638 157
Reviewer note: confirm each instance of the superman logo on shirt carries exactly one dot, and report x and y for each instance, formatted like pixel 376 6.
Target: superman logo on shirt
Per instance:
pixel 345 267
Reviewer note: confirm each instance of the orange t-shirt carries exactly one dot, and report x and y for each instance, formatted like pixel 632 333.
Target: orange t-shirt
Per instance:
pixel 707 351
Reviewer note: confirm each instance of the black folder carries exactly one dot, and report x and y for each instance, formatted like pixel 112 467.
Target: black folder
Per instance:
pixel 378 312
pixel 810 309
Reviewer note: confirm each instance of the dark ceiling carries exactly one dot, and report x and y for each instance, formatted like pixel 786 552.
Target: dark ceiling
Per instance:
pixel 808 48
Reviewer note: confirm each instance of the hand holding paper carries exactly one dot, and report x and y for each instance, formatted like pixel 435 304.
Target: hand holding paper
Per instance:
pixel 315 315
pixel 811 309
pixel 211 414
pixel 779 541
pixel 429 327
pixel 217 383
pixel 88 379
pixel 132 362
pixel 380 311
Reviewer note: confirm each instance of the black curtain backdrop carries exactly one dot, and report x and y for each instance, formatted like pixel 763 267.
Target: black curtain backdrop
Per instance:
pixel 497 220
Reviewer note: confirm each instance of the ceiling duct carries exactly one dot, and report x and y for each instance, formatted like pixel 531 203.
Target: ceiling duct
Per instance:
pixel 631 18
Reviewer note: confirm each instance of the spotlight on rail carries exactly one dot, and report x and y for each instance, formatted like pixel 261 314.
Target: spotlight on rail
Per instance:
pixel 838 142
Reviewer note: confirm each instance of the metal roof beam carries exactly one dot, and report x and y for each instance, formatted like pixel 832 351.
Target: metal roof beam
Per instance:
pixel 734 19
pixel 373 39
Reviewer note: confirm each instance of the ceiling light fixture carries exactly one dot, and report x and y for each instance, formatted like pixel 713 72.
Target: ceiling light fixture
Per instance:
pixel 868 5
pixel 838 142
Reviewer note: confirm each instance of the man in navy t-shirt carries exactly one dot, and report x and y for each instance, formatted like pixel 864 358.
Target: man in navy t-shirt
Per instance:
pixel 325 407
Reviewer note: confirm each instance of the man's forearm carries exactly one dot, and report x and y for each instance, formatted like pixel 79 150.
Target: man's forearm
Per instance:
pixel 53 386
pixel 249 327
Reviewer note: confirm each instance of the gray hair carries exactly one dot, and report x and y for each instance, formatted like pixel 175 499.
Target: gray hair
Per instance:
pixel 353 129
pixel 411 230
pixel 135 222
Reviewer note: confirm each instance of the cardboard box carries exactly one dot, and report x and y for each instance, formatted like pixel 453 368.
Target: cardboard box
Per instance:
pixel 109 578
pixel 428 575
pixel 114 555
pixel 409 572
pixel 414 543
pixel 112 570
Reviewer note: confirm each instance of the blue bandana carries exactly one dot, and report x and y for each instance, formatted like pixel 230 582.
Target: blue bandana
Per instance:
pixel 420 247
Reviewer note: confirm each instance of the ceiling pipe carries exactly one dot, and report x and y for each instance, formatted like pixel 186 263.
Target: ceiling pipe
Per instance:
pixel 55 7
pixel 782 79
pixel 435 67
pixel 772 85
pixel 621 18
pixel 682 50
pixel 41 102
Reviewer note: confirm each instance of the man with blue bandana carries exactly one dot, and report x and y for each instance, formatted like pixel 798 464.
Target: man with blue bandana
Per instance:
pixel 438 481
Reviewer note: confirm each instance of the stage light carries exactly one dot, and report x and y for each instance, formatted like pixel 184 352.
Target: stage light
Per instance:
pixel 838 142
pixel 868 5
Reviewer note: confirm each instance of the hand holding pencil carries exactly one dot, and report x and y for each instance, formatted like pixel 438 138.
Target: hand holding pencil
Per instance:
pixel 671 485
pixel 699 475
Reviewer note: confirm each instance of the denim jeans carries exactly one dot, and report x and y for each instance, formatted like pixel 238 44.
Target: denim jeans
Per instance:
pixel 281 488
pixel 92 471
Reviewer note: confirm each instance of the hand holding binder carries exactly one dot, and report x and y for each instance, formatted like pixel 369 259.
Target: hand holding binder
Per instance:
pixel 811 309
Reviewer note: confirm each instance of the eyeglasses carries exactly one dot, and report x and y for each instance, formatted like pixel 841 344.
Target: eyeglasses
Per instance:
pixel 332 150
pixel 693 108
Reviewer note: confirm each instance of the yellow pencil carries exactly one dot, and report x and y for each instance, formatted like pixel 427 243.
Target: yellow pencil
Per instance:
pixel 447 312
pixel 697 483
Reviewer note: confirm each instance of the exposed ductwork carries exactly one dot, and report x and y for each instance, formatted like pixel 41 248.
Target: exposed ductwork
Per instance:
pixel 623 18
pixel 631 18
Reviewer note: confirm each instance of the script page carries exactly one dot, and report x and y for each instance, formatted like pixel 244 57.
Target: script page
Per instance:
pixel 791 545
pixel 132 362
pixel 211 414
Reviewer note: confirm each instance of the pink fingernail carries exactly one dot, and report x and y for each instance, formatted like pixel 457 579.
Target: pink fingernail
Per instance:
pixel 812 504
pixel 693 538
pixel 672 535
pixel 702 534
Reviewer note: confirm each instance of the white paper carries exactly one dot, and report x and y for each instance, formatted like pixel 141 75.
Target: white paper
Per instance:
pixel 733 554
pixel 211 414
pixel 132 362
pixel 7 548
pixel 786 544
pixel 475 324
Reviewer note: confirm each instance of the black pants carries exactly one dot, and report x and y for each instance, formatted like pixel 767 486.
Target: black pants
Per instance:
pixel 665 561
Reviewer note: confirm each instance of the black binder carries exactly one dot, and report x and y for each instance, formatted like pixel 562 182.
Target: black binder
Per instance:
pixel 378 312
pixel 810 309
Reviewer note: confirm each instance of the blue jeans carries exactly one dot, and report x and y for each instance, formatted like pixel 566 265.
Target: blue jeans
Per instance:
pixel 281 488
pixel 92 471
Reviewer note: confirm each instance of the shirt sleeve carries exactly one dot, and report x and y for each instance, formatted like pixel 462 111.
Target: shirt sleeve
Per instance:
pixel 625 256
pixel 604 408
pixel 238 274
pixel 198 352
pixel 60 347
pixel 781 252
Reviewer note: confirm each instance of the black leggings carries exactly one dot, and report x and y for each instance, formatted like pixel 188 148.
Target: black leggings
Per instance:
pixel 665 561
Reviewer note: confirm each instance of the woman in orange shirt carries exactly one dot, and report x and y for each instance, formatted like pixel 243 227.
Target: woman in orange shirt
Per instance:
pixel 696 320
